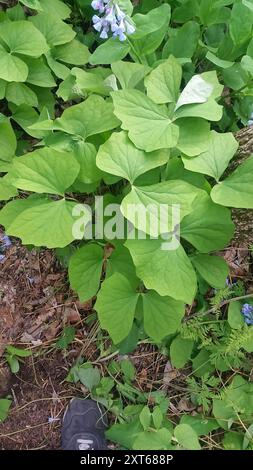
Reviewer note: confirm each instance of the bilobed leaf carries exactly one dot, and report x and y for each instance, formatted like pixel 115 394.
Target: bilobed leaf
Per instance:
pixel 19 93
pixel 53 29
pixel 120 157
pixel 209 110
pixel 8 142
pixel 22 37
pixel 90 117
pixel 110 51
pixel 215 160
pixel 149 125
pixel 237 189
pixel 208 227
pixel 163 83
pixel 129 74
pixel 44 171
pixel 44 223
pixel 168 272
pixel 194 136
pixel 116 304
pixel 85 268
pixel 162 315
pixel 154 218
pixel 74 52
pixel 213 269
pixel 12 69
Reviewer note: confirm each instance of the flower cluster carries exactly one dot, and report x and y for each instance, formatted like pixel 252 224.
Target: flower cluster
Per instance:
pixel 247 311
pixel 112 19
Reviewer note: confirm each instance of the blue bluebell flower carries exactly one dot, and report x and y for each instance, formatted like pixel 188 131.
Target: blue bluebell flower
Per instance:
pixel 113 20
pixel 247 311
pixel 5 242
pixel 250 122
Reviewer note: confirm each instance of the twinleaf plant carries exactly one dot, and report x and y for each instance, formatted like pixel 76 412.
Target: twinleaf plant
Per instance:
pixel 151 137
pixel 143 118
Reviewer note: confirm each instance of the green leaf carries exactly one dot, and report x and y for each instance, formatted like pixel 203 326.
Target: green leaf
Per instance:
pixel 181 351
pixel 110 51
pixel 12 69
pixel 163 83
pixel 129 74
pixel 155 219
pixel 215 160
pixel 194 136
pixel 33 4
pixel 8 142
pixel 7 191
pixel 89 82
pixel 116 304
pixel 200 424
pixel 183 42
pixel 237 189
pixel 120 157
pixel 85 269
pixel 90 117
pixel 53 29
pixel 240 23
pixel 41 223
pixel 4 409
pixel 60 70
pixel 213 269
pixel 187 437
pixel 22 37
pixel 162 315
pixel 73 52
pixel 201 364
pixel 128 370
pixel 56 8
pixel 121 262
pixel 124 433
pixel 153 440
pixel 89 376
pixel 19 93
pixel 13 363
pixel 149 125
pixel 209 110
pixel 208 227
pixel 39 73
pixel 85 154
pixel 18 352
pixel 235 317
pixel 44 171
pixel 223 64
pixel 157 417
pixel 145 417
pixel 66 338
pixel 150 29
pixel 170 273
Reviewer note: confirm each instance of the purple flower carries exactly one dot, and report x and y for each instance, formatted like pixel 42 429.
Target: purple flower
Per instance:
pixel 2 258
pixel 247 311
pixel 114 20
